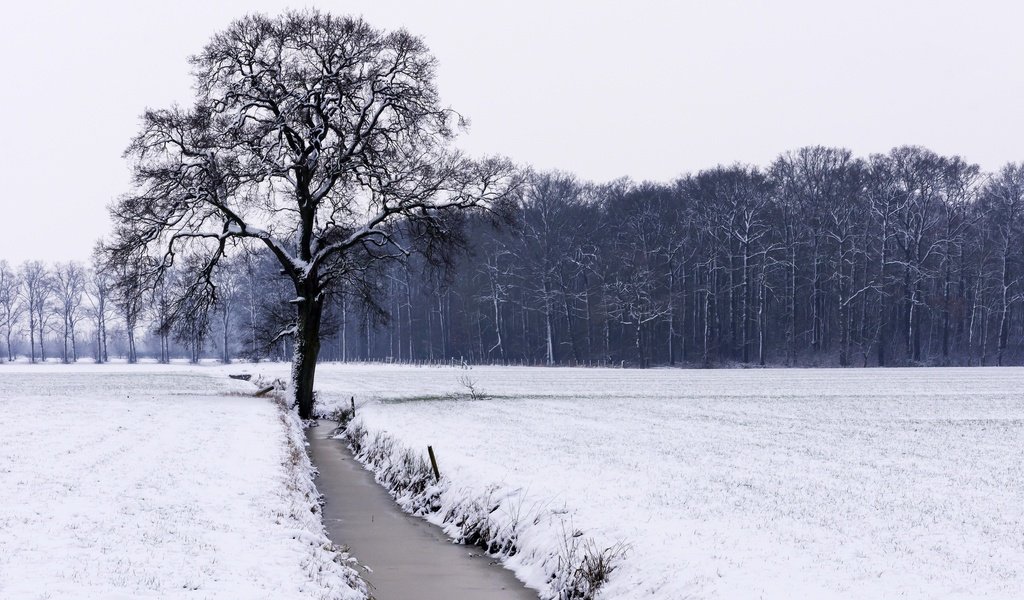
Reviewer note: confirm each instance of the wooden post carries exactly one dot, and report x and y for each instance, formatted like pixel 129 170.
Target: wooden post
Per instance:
pixel 353 401
pixel 433 463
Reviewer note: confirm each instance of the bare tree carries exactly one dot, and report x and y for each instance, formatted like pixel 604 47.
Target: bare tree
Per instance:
pixel 917 174
pixel 130 289
pixel 161 314
pixel 230 285
pixel 69 281
pixel 35 293
pixel 1004 199
pixel 312 135
pixel 548 239
pixel 98 292
pixel 960 182
pixel 637 301
pixel 11 304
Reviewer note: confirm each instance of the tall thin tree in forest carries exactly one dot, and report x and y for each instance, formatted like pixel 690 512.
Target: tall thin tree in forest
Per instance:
pixel 1004 200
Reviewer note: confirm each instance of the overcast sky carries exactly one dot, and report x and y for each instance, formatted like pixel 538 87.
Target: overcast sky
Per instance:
pixel 648 90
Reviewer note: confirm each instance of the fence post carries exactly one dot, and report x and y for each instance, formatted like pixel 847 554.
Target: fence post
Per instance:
pixel 433 463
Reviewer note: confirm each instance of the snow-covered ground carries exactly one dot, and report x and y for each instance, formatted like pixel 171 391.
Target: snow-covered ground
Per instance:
pixel 737 483
pixel 147 481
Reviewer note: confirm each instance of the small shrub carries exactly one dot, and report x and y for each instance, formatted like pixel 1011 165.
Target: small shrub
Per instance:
pixel 472 391
pixel 583 567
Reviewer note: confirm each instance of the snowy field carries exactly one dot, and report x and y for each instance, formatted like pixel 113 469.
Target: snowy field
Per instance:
pixel 120 481
pixel 737 484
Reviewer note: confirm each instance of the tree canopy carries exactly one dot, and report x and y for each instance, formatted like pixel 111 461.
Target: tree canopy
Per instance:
pixel 318 137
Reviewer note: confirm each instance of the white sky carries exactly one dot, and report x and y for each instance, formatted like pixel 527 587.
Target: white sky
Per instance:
pixel 646 89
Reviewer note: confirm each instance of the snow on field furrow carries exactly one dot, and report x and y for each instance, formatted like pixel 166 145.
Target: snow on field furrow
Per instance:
pixel 793 483
pixel 123 484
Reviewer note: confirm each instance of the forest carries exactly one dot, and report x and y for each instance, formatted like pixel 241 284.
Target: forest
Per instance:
pixel 821 258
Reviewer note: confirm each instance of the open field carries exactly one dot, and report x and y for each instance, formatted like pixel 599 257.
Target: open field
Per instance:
pixel 734 484
pixel 122 481
pixel 140 481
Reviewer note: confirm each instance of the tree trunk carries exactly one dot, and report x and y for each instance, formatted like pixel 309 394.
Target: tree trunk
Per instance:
pixel 815 301
pixel 131 344
pixel 984 338
pixel 225 318
pixel 103 335
pixel 976 292
pixel 682 311
pixel 570 330
pixel 745 304
pixel 671 314
pixel 408 308
pixel 946 316
pixel 344 329
pixel 549 336
pixel 31 337
pixel 844 308
pixel 64 356
pixel 42 336
pixel 640 342
pixel 916 318
pixel 306 348
pixel 441 326
pixel 497 323
pixel 791 307
pixel 1004 310
pixel 589 329
pixel 762 320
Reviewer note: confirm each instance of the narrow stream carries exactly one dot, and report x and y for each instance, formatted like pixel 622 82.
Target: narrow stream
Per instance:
pixel 402 557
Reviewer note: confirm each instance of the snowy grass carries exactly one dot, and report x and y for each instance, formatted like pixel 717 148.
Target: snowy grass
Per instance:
pixel 146 481
pixel 726 484
pixel 562 563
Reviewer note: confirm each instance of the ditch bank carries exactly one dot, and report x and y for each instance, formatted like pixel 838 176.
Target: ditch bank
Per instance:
pixel 400 556
pixel 536 540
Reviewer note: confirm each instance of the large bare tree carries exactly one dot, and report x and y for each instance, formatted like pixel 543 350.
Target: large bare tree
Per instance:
pixel 313 136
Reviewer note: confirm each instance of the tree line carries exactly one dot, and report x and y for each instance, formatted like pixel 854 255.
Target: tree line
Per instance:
pixel 821 258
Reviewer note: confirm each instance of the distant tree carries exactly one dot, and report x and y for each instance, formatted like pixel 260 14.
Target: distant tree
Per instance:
pixel 251 292
pixel 1003 200
pixel 11 305
pixel 98 292
pixel 885 202
pixel 192 326
pixel 130 289
pixel 960 186
pixel 312 135
pixel 917 173
pixel 69 280
pixel 548 228
pixel 36 290
pixel 161 314
pixel 637 299
pixel 229 283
